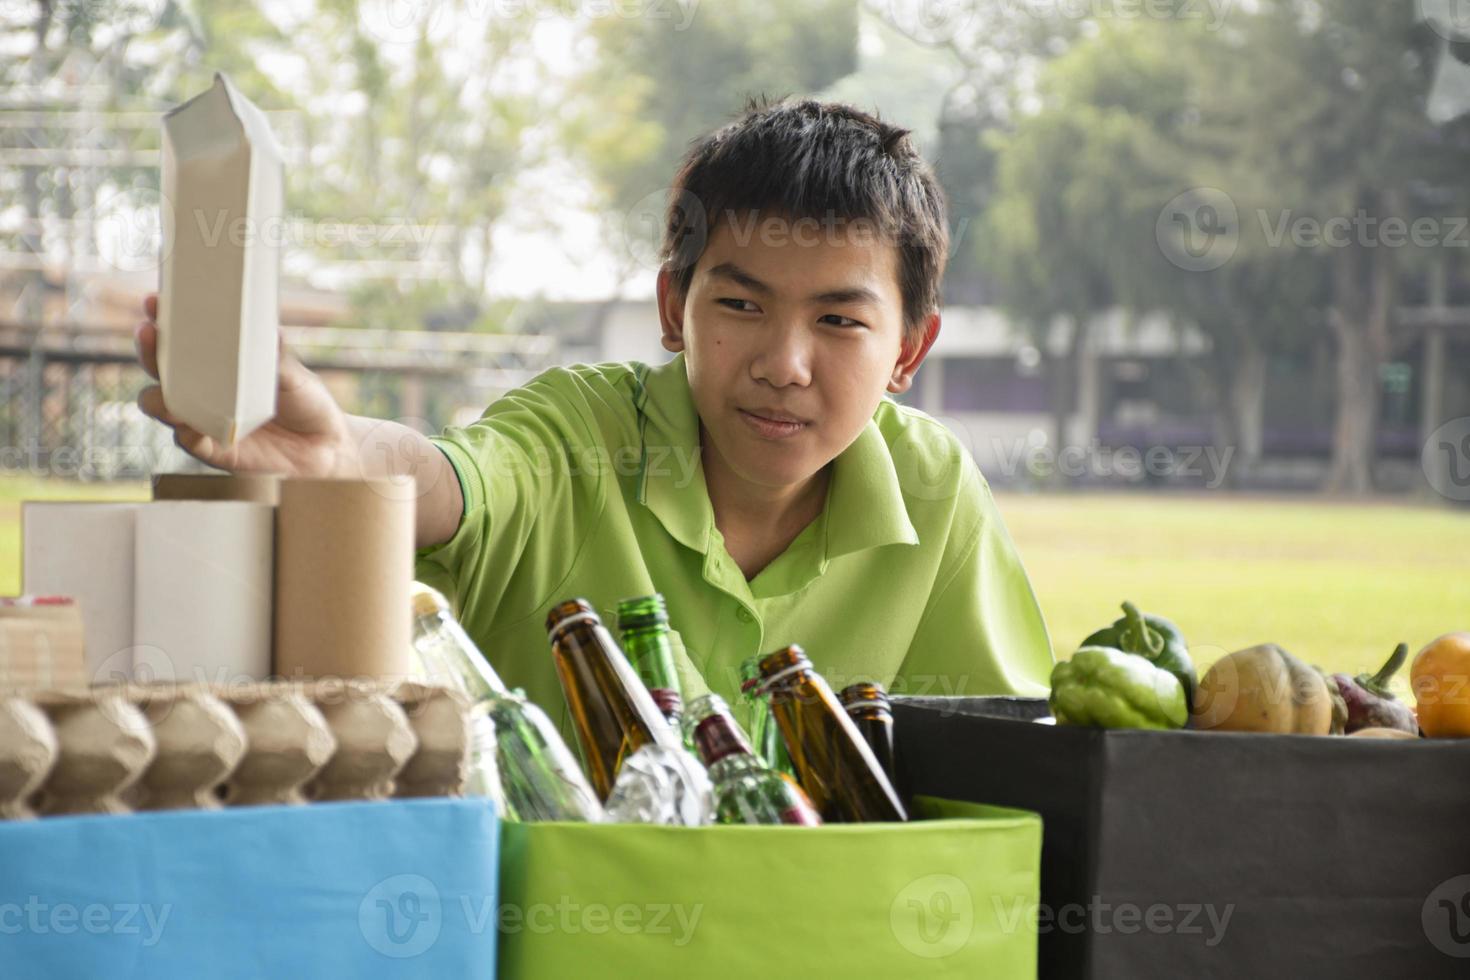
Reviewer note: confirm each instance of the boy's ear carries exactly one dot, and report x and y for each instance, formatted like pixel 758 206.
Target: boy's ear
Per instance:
pixel 670 311
pixel 912 354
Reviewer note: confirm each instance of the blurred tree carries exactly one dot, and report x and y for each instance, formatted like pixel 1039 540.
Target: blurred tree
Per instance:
pixel 653 83
pixel 1128 111
pixel 408 133
pixel 998 50
pixel 1325 107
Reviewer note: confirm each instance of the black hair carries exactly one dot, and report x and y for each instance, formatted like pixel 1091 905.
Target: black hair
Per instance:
pixel 820 160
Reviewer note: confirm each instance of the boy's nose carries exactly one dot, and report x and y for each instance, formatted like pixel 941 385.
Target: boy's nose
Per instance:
pixel 784 357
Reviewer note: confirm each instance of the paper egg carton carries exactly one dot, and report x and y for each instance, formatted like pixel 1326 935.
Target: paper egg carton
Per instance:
pixel 120 748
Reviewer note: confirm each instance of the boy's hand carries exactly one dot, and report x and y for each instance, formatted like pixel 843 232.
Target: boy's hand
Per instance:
pixel 309 435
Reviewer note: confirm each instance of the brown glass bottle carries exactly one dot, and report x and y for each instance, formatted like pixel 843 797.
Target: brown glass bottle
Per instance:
pixel 867 705
pixel 832 762
pixel 611 708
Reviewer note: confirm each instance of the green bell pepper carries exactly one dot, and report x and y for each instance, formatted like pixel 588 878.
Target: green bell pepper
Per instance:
pixel 1112 689
pixel 1153 638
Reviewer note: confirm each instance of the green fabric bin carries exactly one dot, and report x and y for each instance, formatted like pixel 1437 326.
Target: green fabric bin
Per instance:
pixel 951 894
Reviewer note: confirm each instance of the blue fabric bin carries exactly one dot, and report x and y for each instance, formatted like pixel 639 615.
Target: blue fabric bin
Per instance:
pixel 404 888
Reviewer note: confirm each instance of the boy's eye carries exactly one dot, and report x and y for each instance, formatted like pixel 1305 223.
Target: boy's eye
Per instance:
pixel 850 321
pixel 737 303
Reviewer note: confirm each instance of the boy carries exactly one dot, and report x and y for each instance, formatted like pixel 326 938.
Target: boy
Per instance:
pixel 761 480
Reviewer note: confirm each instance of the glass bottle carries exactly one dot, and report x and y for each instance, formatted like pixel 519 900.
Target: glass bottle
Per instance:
pixel 867 705
pixel 612 711
pixel 643 626
pixel 765 737
pixel 745 789
pixel 833 763
pixel 514 743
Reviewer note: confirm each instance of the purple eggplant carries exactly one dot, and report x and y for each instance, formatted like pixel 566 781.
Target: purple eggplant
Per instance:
pixel 1370 704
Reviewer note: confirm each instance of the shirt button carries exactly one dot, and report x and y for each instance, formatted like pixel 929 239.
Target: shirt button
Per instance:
pixel 743 615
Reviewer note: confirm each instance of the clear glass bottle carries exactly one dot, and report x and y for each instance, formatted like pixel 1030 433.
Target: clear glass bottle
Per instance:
pixel 833 763
pixel 514 743
pixel 745 789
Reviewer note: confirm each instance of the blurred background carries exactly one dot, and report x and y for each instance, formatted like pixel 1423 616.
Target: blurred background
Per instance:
pixel 1207 321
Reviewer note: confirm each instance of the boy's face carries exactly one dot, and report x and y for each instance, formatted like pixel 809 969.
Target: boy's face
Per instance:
pixel 791 333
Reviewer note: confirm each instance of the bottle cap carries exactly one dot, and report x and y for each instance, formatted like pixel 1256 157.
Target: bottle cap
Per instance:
pixel 427 601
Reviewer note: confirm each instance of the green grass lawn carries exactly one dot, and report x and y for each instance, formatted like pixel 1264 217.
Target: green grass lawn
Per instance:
pixel 1337 584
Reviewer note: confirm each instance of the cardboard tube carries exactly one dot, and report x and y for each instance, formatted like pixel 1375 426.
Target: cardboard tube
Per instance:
pixel 344 563
pixel 257 488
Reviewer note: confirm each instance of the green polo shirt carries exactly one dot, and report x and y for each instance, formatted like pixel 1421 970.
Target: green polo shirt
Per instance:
pixel 586 482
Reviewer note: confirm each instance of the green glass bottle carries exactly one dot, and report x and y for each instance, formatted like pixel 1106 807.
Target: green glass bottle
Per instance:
pixel 745 789
pixel 643 625
pixel 765 736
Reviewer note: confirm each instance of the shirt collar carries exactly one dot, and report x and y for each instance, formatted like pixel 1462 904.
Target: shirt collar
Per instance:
pixel 865 505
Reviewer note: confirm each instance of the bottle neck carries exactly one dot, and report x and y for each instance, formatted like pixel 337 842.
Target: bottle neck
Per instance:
pixel 718 740
pixel 458 656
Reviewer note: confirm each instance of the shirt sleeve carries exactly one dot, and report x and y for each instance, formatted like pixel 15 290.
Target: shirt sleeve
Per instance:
pixel 982 633
pixel 532 490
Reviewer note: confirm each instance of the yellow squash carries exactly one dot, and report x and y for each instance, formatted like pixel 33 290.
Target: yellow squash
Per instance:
pixel 1263 689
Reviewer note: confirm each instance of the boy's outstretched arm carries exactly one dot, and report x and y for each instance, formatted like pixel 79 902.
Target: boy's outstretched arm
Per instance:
pixel 310 436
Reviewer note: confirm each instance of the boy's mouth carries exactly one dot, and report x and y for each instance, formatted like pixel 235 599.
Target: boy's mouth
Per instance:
pixel 772 424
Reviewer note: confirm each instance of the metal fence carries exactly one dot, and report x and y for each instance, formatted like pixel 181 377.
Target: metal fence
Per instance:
pixel 68 395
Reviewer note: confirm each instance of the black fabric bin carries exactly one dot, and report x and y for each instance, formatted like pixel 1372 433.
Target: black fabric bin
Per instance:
pixel 1333 857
